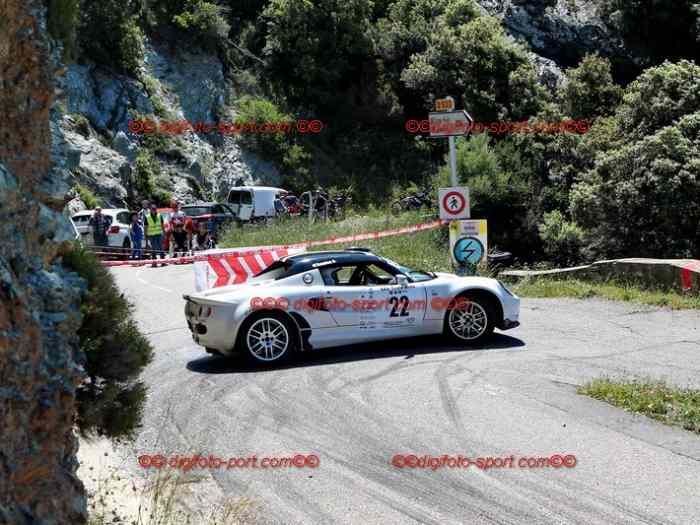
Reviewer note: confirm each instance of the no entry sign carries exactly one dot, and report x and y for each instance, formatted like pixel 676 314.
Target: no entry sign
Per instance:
pixel 454 203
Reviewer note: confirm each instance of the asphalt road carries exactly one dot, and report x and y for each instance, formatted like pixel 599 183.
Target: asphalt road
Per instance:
pixel 355 408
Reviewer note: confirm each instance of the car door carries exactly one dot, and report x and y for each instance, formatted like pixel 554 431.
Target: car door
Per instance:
pixel 362 299
pixel 247 209
pixel 400 305
pixel 241 202
pixel 82 224
pixel 342 297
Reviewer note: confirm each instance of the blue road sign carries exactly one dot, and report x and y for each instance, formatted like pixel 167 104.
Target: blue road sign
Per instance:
pixel 468 250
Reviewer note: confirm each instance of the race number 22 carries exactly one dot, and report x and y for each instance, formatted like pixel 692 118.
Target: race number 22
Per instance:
pixel 399 302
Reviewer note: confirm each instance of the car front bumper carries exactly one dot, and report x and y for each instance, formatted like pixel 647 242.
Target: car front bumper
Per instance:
pixel 511 311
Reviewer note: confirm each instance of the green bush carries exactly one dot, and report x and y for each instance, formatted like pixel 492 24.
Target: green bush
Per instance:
pixel 430 47
pixel 642 195
pixel 643 200
pixel 109 33
pixel 315 51
pixel 562 239
pixel 90 200
pixel 62 21
pixel 132 48
pixel 205 18
pixel 162 196
pixel 146 172
pixel 111 402
pixel 589 91
pixel 291 158
pixel 200 22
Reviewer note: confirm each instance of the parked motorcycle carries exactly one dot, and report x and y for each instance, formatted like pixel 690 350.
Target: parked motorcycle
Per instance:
pixel 414 201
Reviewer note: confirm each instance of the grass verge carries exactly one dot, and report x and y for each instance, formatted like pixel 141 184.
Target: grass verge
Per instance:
pixel 550 288
pixel 427 250
pixel 672 406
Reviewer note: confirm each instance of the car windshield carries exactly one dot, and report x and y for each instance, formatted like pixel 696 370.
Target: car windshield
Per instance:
pixel 195 211
pixel 414 275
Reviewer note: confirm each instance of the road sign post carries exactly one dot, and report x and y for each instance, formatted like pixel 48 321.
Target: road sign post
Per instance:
pixel 468 245
pixel 453 161
pixel 454 203
pixel 448 123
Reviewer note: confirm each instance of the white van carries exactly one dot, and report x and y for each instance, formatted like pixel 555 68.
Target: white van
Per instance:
pixel 252 203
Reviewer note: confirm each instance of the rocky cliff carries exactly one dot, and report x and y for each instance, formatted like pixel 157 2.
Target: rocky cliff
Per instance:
pixel 175 85
pixel 563 31
pixel 39 302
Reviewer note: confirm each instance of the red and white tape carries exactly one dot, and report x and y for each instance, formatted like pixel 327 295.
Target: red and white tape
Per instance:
pixel 239 252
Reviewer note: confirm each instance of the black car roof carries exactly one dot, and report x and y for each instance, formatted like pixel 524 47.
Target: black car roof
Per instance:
pixel 310 260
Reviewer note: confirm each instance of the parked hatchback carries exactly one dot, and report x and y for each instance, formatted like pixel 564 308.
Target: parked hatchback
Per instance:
pixel 118 233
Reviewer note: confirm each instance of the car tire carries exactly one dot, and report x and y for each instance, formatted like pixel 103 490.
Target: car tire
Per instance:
pixel 471 318
pixel 268 339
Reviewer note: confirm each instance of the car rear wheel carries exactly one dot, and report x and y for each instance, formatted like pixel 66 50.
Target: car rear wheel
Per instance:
pixel 269 339
pixel 471 318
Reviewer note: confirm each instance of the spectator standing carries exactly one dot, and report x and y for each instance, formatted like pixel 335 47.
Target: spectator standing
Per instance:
pixel 142 217
pixel 182 237
pixel 154 232
pixel 100 225
pixel 136 236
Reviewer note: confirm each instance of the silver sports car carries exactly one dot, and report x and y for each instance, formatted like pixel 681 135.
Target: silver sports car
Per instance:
pixel 323 299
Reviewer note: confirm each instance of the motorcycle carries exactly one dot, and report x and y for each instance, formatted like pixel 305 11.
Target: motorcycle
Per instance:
pixel 414 201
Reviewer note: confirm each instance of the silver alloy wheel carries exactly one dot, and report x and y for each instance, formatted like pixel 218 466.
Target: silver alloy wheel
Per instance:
pixel 268 339
pixel 468 320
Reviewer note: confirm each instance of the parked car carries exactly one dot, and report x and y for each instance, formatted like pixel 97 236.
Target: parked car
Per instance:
pixel 214 214
pixel 118 233
pixel 254 203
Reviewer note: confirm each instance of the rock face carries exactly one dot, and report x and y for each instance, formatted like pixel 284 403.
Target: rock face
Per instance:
pixel 564 31
pixel 186 86
pixel 40 364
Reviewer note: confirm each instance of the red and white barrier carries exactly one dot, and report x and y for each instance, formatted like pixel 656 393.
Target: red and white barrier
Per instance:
pixel 687 275
pixel 222 269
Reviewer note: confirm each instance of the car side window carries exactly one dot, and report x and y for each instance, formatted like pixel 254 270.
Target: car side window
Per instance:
pixel 123 217
pixel 339 275
pixel 376 275
pixel 217 209
pixel 246 197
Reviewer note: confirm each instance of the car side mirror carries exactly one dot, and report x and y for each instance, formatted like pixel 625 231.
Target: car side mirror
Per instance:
pixel 400 279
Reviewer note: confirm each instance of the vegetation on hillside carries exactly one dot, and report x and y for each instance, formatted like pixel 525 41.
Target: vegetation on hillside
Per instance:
pixel 626 183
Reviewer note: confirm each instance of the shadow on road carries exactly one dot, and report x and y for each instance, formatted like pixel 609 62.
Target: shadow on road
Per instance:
pixel 342 354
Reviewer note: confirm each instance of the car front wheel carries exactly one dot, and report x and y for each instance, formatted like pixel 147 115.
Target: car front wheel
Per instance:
pixel 269 339
pixel 470 318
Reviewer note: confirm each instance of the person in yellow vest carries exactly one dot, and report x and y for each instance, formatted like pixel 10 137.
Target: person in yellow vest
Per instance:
pixel 154 233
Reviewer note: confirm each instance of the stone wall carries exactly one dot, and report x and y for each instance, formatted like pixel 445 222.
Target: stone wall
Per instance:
pixel 39 301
